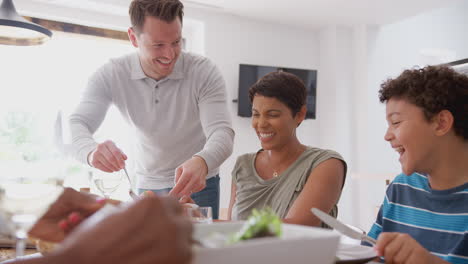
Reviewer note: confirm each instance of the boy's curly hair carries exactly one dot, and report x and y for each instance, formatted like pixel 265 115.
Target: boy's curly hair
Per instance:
pixel 432 88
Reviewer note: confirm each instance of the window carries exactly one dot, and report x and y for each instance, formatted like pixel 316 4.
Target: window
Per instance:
pixel 39 81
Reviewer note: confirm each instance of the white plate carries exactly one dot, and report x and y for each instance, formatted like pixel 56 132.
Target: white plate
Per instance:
pixel 348 253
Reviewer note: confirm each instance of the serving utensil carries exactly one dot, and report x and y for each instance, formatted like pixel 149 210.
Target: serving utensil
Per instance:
pixel 342 228
pixel 130 191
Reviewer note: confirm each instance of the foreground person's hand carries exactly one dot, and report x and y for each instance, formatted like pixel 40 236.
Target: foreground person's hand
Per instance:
pixel 71 207
pixel 150 230
pixel 402 248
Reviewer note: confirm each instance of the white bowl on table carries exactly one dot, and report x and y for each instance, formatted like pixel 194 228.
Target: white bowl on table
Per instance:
pixel 298 245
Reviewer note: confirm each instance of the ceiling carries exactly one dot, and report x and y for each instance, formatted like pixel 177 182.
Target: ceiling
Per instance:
pixel 304 13
pixel 313 13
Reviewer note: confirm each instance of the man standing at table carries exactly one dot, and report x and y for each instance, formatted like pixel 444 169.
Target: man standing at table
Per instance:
pixel 175 102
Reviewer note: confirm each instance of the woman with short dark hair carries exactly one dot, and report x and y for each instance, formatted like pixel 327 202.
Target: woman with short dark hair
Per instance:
pixel 284 174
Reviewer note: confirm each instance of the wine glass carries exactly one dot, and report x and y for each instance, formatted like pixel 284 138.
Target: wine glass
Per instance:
pixel 26 191
pixel 108 183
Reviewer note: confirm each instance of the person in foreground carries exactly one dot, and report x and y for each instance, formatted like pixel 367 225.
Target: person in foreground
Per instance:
pixel 157 232
pixel 174 101
pixel 424 216
pixel 284 174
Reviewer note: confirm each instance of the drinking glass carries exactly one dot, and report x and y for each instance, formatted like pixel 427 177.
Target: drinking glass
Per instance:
pixel 202 214
pixel 25 195
pixel 108 183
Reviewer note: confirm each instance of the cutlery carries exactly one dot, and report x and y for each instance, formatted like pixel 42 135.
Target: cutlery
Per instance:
pixel 130 191
pixel 342 228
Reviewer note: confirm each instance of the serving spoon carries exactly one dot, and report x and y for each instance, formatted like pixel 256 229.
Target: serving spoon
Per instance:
pixel 130 191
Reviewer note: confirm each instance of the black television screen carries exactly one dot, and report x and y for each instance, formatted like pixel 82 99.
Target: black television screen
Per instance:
pixel 249 74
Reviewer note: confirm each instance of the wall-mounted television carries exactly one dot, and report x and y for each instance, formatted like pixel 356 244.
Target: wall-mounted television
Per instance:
pixel 249 74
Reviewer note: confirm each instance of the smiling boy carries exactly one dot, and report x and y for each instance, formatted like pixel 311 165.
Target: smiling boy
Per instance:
pixel 424 216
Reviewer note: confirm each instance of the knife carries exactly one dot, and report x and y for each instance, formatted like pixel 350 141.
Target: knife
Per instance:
pixel 342 228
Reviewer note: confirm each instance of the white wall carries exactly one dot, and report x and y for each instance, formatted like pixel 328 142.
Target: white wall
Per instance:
pixel 406 44
pixel 334 103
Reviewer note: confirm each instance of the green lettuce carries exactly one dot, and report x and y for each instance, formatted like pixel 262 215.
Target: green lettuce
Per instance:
pixel 261 223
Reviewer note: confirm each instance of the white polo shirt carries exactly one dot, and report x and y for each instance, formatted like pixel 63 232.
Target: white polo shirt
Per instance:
pixel 182 115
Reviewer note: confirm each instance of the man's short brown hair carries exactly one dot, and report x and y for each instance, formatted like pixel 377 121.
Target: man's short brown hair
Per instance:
pixel 433 89
pixel 165 10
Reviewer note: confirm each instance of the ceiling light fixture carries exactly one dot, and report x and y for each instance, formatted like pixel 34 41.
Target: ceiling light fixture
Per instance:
pixel 15 30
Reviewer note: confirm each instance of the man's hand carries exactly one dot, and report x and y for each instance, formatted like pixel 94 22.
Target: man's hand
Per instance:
pixel 186 200
pixel 190 177
pixel 402 248
pixel 156 233
pixel 71 207
pixel 107 157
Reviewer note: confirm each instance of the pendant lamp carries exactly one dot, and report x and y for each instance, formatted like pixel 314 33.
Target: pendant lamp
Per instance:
pixel 15 30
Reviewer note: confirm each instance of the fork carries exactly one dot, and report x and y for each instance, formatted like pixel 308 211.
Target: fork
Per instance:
pixel 130 191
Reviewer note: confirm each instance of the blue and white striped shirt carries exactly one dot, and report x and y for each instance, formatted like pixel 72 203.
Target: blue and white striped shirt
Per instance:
pixel 438 220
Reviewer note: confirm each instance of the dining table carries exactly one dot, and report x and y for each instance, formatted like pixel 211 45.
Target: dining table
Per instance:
pixel 9 253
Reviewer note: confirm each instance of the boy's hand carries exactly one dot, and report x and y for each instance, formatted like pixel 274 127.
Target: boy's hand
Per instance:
pixel 402 248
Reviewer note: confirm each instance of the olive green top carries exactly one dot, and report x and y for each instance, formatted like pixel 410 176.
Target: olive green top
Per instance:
pixel 277 193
